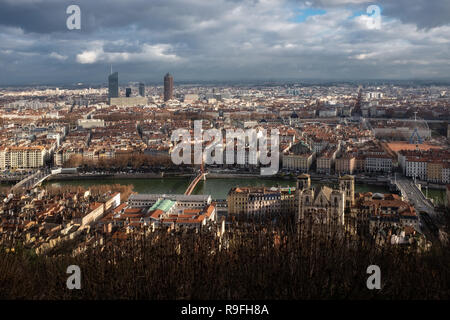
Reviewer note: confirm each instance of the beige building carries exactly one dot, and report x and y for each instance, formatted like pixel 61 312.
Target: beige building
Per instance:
pixel 345 165
pixel 434 171
pixel 3 157
pixel 62 155
pixel 325 162
pixel 261 200
pixel 128 101
pixel 298 162
pixel 23 157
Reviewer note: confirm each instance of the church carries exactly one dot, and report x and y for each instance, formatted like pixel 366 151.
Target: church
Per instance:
pixel 324 205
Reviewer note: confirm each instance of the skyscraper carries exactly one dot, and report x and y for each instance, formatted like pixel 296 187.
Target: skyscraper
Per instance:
pixel 113 85
pixel 142 89
pixel 128 92
pixel 168 87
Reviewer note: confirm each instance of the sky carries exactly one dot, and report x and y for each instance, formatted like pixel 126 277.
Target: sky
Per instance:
pixel 223 40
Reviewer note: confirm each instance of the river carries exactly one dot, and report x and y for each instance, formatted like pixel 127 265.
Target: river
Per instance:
pixel 218 188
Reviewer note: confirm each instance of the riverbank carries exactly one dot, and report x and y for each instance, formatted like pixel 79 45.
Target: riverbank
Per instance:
pixel 217 187
pixel 78 176
pixel 219 184
pixel 216 175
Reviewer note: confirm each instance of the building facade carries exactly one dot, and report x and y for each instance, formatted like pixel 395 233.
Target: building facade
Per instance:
pixel 142 89
pixel 323 205
pixel 345 165
pixel 298 162
pixel 113 85
pixel 23 157
pixel 260 201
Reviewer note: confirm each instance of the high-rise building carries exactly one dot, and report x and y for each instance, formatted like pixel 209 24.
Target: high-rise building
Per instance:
pixel 168 87
pixel 448 132
pixel 142 89
pixel 113 85
pixel 128 92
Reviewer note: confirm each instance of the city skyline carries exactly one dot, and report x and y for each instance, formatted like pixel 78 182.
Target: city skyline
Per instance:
pixel 224 41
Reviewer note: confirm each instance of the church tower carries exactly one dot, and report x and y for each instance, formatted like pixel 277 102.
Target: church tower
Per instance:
pixel 303 182
pixel 303 185
pixel 347 185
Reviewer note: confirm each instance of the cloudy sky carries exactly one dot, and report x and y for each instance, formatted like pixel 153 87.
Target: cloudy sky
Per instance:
pixel 223 40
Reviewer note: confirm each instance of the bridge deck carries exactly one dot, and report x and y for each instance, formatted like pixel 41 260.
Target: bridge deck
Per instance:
pixel 194 182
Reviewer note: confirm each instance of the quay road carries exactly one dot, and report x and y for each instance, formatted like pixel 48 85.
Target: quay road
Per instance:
pixel 427 215
pixel 337 119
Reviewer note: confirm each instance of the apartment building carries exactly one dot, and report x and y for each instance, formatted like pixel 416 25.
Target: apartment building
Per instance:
pixel 434 171
pixel 325 162
pixel 378 163
pixel 298 162
pixel 345 165
pixel 23 157
pixel 388 210
pixel 432 166
pixel 446 173
pixel 416 167
pixel 260 200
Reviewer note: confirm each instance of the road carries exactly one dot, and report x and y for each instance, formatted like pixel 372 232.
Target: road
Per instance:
pixel 412 194
pixel 31 181
pixel 337 119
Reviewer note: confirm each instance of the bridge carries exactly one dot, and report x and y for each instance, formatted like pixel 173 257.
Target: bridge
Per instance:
pixel 201 175
pixel 31 181
pixel 414 195
pixel 425 208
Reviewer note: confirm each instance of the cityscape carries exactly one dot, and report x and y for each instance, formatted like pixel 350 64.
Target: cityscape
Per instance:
pixel 159 188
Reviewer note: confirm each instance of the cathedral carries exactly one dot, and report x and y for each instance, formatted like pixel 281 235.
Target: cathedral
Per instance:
pixel 324 205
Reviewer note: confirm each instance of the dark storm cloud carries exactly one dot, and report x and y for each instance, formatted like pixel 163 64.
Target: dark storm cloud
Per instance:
pixel 422 13
pixel 41 17
pixel 46 16
pixel 220 39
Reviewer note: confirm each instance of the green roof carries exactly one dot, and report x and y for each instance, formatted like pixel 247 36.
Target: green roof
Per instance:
pixel 163 205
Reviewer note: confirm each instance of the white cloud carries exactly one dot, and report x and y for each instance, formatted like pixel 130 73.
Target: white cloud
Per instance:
pixel 148 53
pixel 58 56
pixel 89 56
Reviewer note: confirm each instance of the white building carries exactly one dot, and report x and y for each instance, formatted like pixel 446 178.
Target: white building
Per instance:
pixel 378 163
pixel 184 201
pixel 416 167
pixel 23 157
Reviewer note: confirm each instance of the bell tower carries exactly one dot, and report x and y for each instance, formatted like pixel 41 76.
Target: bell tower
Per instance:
pixel 303 182
pixel 347 185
